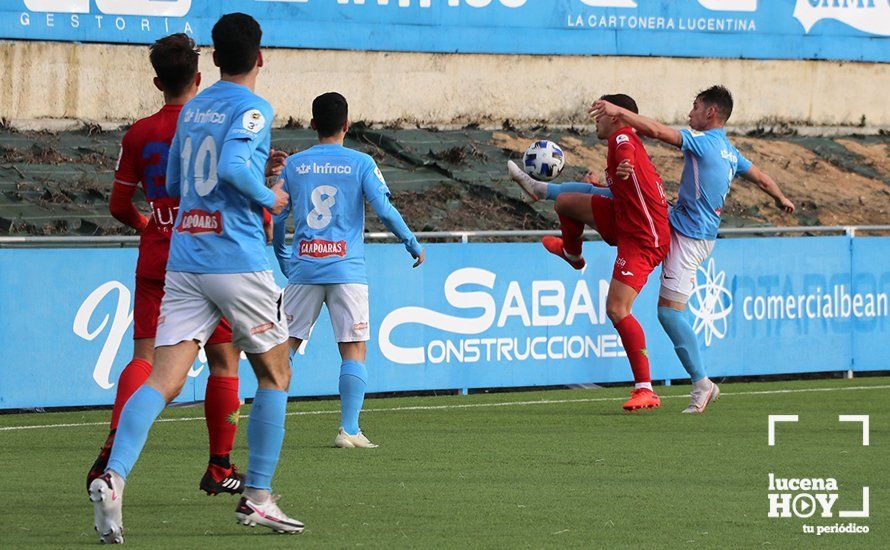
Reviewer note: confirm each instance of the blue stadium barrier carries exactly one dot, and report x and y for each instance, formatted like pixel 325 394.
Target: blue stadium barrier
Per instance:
pixel 778 29
pixel 475 316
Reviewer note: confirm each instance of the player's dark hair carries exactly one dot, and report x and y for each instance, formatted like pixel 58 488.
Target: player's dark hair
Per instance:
pixel 719 97
pixel 622 100
pixel 330 112
pixel 175 60
pixel 236 41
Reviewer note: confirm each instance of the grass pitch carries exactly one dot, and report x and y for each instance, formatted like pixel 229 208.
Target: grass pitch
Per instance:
pixel 554 468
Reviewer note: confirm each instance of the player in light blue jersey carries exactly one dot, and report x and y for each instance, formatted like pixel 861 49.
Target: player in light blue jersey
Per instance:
pixel 328 185
pixel 711 163
pixel 218 266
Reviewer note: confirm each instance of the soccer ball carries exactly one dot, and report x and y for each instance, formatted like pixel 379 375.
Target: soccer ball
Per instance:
pixel 544 160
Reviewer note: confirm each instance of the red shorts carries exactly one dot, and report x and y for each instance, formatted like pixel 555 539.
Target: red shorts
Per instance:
pixel 149 293
pixel 635 261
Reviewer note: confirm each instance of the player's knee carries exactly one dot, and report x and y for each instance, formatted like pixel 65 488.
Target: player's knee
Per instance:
pixel 559 205
pixel 279 379
pixel 222 360
pixel 353 351
pixel 664 316
pixel 616 312
pixel 168 388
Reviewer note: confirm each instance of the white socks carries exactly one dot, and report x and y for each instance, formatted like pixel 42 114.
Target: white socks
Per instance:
pixel 575 259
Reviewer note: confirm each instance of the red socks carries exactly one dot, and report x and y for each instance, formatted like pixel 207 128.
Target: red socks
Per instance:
pixel 221 404
pixel 134 375
pixel 572 230
pixel 634 341
pixel 221 407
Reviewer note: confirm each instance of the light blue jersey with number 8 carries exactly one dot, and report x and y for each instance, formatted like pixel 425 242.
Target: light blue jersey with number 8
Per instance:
pixel 216 166
pixel 328 186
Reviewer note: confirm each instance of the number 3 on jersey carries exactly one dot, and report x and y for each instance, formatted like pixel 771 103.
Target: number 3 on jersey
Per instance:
pixel 203 184
pixel 322 201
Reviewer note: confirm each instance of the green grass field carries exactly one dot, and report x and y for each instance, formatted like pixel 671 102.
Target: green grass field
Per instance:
pixel 542 469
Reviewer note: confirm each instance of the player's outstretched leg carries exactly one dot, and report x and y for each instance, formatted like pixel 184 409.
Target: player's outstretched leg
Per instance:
pixel 535 190
pixel 265 435
pixel 678 329
pixel 575 212
pixel 538 190
pixel 353 382
pixel 133 376
pixel 221 406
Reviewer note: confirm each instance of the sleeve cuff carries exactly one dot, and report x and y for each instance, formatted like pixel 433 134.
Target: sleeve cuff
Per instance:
pixel 267 198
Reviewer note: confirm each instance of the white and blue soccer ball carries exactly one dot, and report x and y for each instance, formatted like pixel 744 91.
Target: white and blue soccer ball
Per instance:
pixel 544 160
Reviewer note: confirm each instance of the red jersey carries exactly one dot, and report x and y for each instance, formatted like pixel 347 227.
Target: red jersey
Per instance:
pixel 143 159
pixel 641 211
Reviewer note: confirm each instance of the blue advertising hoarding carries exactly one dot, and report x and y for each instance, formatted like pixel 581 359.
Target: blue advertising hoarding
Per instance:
pixel 475 316
pixel 777 29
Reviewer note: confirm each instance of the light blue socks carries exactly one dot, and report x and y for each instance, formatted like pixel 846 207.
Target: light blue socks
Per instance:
pixel 353 382
pixel 138 415
pixel 681 334
pixel 555 189
pixel 265 435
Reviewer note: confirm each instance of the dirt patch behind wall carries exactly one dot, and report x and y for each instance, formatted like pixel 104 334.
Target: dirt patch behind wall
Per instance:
pixel 828 188
pixel 58 184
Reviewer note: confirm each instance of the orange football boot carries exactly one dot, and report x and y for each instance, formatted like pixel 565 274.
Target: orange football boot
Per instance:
pixel 554 246
pixel 642 398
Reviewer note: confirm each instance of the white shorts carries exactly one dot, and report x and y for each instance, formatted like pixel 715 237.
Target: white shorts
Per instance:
pixel 681 266
pixel 194 302
pixel 347 305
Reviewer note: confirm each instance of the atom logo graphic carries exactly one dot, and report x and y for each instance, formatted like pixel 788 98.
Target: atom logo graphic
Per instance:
pixel 711 303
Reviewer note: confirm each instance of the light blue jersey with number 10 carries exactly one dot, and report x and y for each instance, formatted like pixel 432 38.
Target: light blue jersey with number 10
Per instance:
pixel 216 166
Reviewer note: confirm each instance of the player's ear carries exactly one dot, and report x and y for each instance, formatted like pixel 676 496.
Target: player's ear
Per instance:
pixel 198 79
pixel 259 59
pixel 157 83
pixel 346 127
pixel 312 124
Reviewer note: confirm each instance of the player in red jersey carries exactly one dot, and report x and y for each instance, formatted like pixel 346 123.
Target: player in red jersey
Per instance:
pixel 143 159
pixel 636 222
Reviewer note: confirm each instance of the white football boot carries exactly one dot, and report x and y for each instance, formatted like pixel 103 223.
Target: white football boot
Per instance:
pixel 107 496
pixel 534 189
pixel 346 441
pixel 703 393
pixel 267 514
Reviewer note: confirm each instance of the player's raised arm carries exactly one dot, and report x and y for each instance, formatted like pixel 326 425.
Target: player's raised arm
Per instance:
pixel 768 186
pixel 644 125
pixel 377 193
pixel 126 179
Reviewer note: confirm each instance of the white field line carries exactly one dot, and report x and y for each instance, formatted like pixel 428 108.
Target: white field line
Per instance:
pixel 467 406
